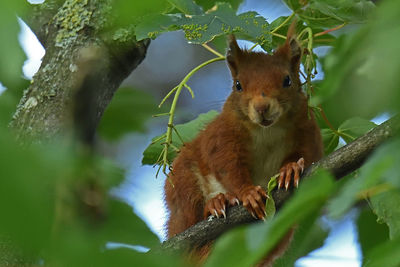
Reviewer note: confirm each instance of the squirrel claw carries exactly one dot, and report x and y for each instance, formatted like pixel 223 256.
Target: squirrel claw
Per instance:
pixel 216 206
pixel 291 169
pixel 253 199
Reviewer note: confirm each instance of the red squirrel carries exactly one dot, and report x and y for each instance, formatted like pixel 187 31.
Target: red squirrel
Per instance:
pixel 265 128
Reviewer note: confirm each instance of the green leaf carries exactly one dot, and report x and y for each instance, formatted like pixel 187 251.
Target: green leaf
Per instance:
pixel 383 205
pixel 124 226
pixel 326 39
pixel 370 233
pixel 328 13
pixel 363 68
pixel 127 12
pixel 11 53
pixel 354 128
pixel 386 255
pixel 204 28
pixel 270 208
pixel 330 139
pixel 247 245
pixel 9 100
pixel 27 188
pixel 349 11
pixel 208 4
pixel 379 173
pixel 128 111
pixel 188 131
pixel 187 6
pixel 308 236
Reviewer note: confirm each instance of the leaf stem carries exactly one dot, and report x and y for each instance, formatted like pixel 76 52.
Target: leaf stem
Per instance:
pixel 330 30
pixel 283 23
pixel 254 46
pixel 177 90
pixel 215 52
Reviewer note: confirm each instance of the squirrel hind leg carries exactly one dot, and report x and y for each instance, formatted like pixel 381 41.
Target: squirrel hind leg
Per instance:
pixel 185 203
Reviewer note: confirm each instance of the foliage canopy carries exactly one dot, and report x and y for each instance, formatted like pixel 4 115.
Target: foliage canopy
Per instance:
pixel 361 82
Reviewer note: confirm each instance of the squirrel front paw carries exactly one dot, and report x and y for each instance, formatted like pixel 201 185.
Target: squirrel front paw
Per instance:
pixel 288 170
pixel 216 206
pixel 253 199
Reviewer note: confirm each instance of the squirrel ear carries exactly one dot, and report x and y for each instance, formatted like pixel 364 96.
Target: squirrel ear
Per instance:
pixel 233 54
pixel 291 49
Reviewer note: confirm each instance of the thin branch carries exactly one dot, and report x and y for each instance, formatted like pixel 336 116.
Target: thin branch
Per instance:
pixel 215 52
pixel 340 163
pixel 330 30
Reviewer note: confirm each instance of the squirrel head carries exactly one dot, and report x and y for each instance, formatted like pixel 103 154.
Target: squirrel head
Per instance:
pixel 265 86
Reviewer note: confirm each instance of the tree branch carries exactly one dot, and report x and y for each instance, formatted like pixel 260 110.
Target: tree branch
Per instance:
pixel 39 16
pixel 340 163
pixel 79 74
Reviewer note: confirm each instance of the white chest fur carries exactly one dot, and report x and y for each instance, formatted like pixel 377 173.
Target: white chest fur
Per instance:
pixel 269 148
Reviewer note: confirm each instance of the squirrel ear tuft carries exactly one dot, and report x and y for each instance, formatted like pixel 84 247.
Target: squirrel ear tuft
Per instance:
pixel 291 49
pixel 233 54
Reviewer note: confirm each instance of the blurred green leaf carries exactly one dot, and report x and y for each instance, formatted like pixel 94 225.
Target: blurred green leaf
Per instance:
pixel 127 12
pixel 383 205
pixel 361 72
pixel 128 111
pixel 28 178
pixel 330 140
pixel 208 4
pixel 11 54
pixel 246 245
pixel 370 232
pixel 187 6
pixel 386 254
pixel 376 172
pixel 328 13
pixel 204 28
pixel 9 100
pixel 308 236
pixel 129 230
pixel 354 128
pixel 187 131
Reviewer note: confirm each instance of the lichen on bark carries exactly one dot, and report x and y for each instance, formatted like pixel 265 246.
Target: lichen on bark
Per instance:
pixel 46 109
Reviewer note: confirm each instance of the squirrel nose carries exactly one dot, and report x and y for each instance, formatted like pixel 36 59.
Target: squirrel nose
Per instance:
pixel 262 109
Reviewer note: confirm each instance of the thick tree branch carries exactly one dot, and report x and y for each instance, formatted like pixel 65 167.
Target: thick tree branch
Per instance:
pixel 39 17
pixel 340 163
pixel 79 74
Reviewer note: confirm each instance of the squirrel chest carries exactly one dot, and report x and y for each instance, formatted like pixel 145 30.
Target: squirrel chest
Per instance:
pixel 269 147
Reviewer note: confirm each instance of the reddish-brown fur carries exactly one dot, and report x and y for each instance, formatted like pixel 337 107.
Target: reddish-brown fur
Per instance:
pixel 226 160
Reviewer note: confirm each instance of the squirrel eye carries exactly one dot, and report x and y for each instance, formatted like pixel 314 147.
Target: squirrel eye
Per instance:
pixel 286 81
pixel 238 86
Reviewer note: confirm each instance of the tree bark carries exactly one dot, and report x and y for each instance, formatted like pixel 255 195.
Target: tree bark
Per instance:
pixel 340 163
pixel 80 72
